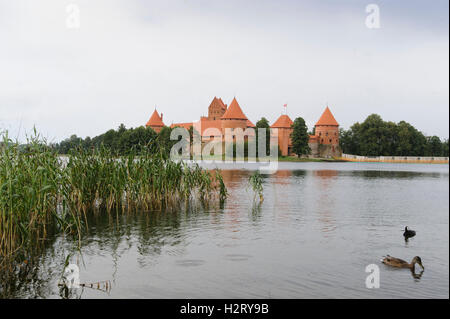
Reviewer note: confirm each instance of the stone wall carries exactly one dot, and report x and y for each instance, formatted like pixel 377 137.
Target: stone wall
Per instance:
pixel 395 159
pixel 329 151
pixel 314 149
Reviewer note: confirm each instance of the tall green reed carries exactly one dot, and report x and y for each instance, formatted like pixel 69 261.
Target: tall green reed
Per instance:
pixel 256 183
pixel 41 191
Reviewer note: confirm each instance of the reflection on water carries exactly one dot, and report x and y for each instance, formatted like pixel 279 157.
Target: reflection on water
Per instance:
pixel 418 275
pixel 318 228
pixel 393 174
pixel 325 203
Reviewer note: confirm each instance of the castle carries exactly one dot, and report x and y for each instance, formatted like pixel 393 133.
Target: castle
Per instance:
pixel 324 142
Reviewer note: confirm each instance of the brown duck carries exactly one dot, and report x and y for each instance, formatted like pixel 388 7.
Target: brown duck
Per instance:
pixel 400 263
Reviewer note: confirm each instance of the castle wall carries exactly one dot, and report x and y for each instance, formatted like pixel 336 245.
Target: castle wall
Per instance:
pixel 233 124
pixel 327 134
pixel 329 151
pixel 284 140
pixel 314 146
pixel 395 159
pixel 215 112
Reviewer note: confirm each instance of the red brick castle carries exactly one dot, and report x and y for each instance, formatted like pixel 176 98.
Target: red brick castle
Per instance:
pixel 324 143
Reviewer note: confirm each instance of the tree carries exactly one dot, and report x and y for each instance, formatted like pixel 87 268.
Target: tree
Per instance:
pixel 164 142
pixel 445 148
pixel 347 141
pixel 121 128
pixel 434 146
pixel 375 137
pixel 300 137
pixel 264 124
pixel 87 143
pixel 372 133
pixel 411 142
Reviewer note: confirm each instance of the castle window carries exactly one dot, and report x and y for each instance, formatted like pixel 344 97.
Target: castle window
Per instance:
pixel 330 140
pixel 326 133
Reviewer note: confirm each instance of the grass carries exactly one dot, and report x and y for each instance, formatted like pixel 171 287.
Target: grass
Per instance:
pixel 43 193
pixel 303 159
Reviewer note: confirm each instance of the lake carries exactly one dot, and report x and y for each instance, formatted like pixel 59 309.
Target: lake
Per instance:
pixel 319 226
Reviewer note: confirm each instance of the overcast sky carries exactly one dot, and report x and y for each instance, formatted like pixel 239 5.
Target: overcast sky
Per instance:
pixel 128 56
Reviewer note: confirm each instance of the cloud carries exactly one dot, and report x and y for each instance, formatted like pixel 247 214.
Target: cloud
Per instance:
pixel 129 56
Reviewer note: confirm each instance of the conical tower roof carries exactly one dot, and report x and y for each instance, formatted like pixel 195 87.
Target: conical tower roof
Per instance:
pixel 234 112
pixel 327 118
pixel 284 121
pixel 223 104
pixel 218 102
pixel 155 120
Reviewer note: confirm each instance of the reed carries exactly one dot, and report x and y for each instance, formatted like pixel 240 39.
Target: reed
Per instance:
pixel 41 191
pixel 256 183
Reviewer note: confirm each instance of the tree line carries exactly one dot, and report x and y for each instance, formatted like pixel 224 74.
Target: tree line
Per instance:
pixel 375 137
pixel 121 141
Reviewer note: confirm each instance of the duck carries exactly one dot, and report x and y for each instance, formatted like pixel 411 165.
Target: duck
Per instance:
pixel 400 263
pixel 409 233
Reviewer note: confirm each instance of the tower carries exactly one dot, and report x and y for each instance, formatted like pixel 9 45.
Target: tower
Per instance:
pixel 327 129
pixel 155 122
pixel 284 126
pixel 216 109
pixel 234 117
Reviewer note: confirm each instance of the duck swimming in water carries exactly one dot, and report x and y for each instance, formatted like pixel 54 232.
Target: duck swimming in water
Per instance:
pixel 400 263
pixel 409 233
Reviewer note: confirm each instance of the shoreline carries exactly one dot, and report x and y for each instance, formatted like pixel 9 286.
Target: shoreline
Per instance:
pixel 292 159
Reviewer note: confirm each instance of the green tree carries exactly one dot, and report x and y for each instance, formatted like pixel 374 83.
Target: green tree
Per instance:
pixel 373 134
pixel 163 140
pixel 375 137
pixel 445 148
pixel 411 142
pixel 263 123
pixel 434 146
pixel 300 137
pixel 347 141
pixel 121 129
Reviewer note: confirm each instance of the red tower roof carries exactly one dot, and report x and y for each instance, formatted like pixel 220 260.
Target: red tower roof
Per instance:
pixel 222 104
pixel 218 102
pixel 155 120
pixel 327 119
pixel 234 112
pixel 250 124
pixel 284 121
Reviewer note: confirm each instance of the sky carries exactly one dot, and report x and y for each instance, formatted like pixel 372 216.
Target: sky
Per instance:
pixel 127 57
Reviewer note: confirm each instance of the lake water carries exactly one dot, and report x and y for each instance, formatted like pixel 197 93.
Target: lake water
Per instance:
pixel 318 228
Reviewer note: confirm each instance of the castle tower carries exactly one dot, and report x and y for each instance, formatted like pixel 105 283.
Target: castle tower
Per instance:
pixel 216 109
pixel 155 122
pixel 327 129
pixel 234 117
pixel 284 126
